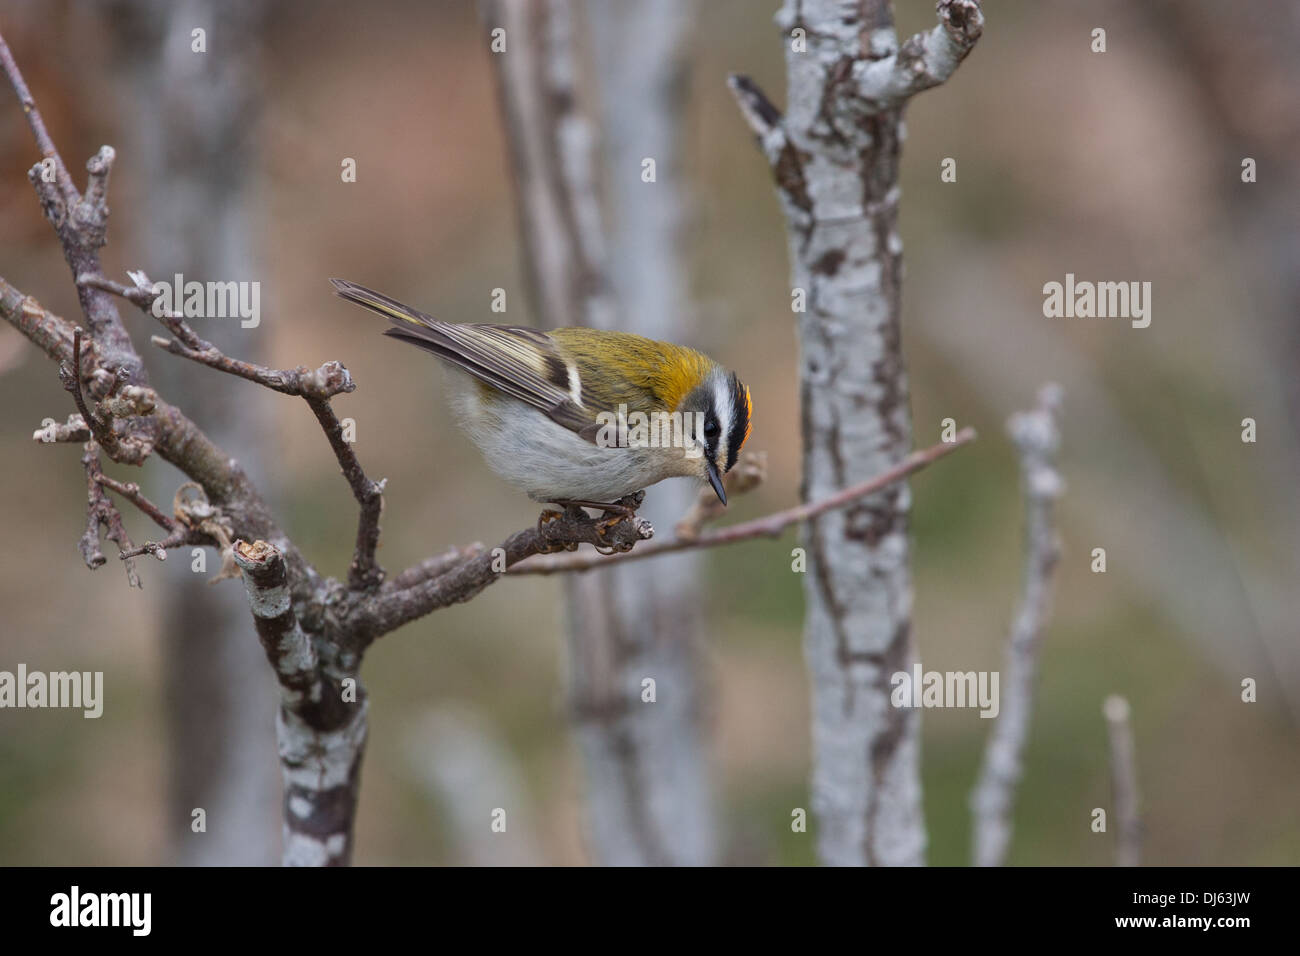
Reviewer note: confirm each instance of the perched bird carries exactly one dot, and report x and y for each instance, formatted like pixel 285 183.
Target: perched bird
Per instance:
pixel 545 407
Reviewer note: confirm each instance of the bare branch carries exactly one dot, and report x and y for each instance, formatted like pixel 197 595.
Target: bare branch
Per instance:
pixel 321 730
pixel 391 607
pixel 137 294
pixel 1123 780
pixel 51 333
pixel 43 141
pixel 770 526
pixel 101 512
pixel 70 377
pixel 73 430
pixel 434 566
pixel 158 549
pixel 323 383
pixel 1037 436
pixel 317 387
pixel 924 61
pixel 131 492
pixel 763 118
pixel 364 573
pixel 144 294
pixel 179 441
pixel 290 651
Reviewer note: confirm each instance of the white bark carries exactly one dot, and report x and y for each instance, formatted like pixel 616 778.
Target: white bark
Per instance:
pixel 1037 437
pixel 835 159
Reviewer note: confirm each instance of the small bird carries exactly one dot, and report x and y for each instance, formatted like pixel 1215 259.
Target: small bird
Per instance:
pixel 544 407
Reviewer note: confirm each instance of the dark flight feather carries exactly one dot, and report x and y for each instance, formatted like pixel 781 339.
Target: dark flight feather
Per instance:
pixel 519 362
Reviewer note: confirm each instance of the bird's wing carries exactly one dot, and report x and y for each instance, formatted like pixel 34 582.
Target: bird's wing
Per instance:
pixel 522 363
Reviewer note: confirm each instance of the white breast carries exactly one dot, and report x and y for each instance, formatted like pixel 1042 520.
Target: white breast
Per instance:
pixel 547 461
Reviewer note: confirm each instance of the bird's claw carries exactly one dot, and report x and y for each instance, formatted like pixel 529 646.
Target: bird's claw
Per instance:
pixel 553 547
pixel 603 528
pixel 614 514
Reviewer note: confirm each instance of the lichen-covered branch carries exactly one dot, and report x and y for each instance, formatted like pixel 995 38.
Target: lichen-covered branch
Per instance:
pixel 1036 435
pixel 925 60
pixel 834 157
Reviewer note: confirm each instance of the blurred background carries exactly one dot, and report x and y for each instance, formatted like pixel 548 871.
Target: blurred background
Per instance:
pixel 1117 166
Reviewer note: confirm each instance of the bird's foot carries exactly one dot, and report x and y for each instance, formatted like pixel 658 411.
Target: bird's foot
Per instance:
pixel 613 514
pixel 546 517
pixel 625 507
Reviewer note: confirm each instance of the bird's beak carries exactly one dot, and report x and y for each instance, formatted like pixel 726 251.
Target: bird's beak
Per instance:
pixel 715 480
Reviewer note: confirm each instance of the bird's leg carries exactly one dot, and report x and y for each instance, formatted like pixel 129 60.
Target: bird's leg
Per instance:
pixel 613 513
pixel 625 507
pixel 546 517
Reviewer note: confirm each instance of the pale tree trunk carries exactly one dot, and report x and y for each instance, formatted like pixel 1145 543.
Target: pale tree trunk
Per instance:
pixel 835 158
pixel 192 122
pixel 649 795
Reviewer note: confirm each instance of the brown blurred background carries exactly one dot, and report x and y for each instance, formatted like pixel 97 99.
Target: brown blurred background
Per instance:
pixel 1116 166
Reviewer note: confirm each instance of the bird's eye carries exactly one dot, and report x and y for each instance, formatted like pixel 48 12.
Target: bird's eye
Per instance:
pixel 711 429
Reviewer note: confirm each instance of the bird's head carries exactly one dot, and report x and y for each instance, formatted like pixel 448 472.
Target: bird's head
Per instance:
pixel 720 409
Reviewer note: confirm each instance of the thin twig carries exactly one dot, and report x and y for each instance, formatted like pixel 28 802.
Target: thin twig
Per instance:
pixel 144 294
pixel 1123 781
pixel 101 512
pixel 363 573
pixel 317 388
pixel 43 140
pixel 131 492
pixel 74 430
pixel 325 382
pixel 1036 435
pixel 71 378
pixel 134 445
pixel 143 297
pixel 769 526
pixel 749 473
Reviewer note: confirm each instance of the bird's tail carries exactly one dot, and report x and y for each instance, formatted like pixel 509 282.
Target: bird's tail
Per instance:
pixel 391 309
